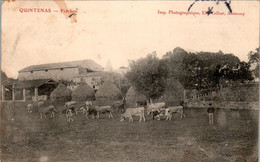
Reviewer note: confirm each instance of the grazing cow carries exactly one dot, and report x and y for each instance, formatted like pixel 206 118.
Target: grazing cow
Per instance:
pixel 102 110
pixel 131 112
pixel 156 114
pixel 174 109
pixel 155 107
pixel 69 115
pixel 50 109
pixel 70 105
pixel 29 108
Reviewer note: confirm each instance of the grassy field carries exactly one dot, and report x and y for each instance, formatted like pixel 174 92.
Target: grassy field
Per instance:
pixel 233 137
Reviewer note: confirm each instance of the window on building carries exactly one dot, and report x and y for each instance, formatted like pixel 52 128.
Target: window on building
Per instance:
pixel 46 70
pixel 31 71
pixel 61 69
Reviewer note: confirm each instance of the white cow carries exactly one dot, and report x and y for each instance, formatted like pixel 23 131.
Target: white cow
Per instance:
pixel 69 105
pixel 131 112
pixel 102 110
pixel 155 107
pixel 174 109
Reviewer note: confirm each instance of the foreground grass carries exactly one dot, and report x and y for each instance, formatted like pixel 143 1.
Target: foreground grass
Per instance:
pixel 233 137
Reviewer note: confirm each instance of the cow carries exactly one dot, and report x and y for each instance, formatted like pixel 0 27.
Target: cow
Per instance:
pixel 155 109
pixel 131 112
pixel 155 106
pixel 97 110
pixel 70 105
pixel 157 114
pixel 174 109
pixel 50 109
pixel 69 115
pixel 29 108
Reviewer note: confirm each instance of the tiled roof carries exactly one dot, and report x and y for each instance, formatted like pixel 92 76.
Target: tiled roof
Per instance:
pixel 33 83
pixel 88 64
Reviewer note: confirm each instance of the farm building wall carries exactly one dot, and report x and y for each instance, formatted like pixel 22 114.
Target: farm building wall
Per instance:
pixel 55 74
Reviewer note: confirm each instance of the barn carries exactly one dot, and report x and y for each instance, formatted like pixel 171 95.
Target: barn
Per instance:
pixel 59 71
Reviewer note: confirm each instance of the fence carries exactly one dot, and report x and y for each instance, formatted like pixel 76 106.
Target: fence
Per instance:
pixel 224 104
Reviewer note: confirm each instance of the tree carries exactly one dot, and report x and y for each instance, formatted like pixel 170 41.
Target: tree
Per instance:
pixel 253 57
pixel 197 70
pixel 3 77
pixel 147 75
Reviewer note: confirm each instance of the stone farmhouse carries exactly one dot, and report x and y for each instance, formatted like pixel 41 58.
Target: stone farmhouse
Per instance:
pixel 36 82
pixel 59 71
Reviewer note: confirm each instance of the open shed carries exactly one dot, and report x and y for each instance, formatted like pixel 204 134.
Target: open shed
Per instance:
pixel 39 89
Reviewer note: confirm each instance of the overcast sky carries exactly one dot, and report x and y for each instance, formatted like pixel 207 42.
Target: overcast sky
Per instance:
pixel 119 31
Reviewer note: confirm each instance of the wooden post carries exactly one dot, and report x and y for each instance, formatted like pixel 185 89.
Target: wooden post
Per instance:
pixel 13 92
pixel 3 92
pixel 24 94
pixel 36 93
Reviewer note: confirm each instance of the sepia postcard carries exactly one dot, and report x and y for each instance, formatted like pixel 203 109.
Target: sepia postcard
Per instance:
pixel 129 81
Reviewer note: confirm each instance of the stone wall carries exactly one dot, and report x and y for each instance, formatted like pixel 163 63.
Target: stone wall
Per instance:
pixel 55 74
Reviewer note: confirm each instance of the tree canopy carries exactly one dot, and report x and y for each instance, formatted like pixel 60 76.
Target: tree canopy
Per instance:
pixel 147 76
pixel 200 70
pixel 253 57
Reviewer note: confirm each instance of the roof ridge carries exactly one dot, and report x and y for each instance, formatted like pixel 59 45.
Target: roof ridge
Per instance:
pixel 91 64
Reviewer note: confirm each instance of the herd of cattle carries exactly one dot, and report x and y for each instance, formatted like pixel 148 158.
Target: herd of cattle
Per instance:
pixel 73 108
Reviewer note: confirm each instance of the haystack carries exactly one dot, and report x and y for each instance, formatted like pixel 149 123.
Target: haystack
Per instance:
pixel 61 93
pixel 132 97
pixel 83 93
pixel 173 94
pixel 108 93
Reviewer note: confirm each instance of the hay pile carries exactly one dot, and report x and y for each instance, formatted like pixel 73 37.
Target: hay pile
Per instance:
pixel 108 93
pixel 132 96
pixel 61 93
pixel 83 93
pixel 173 94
